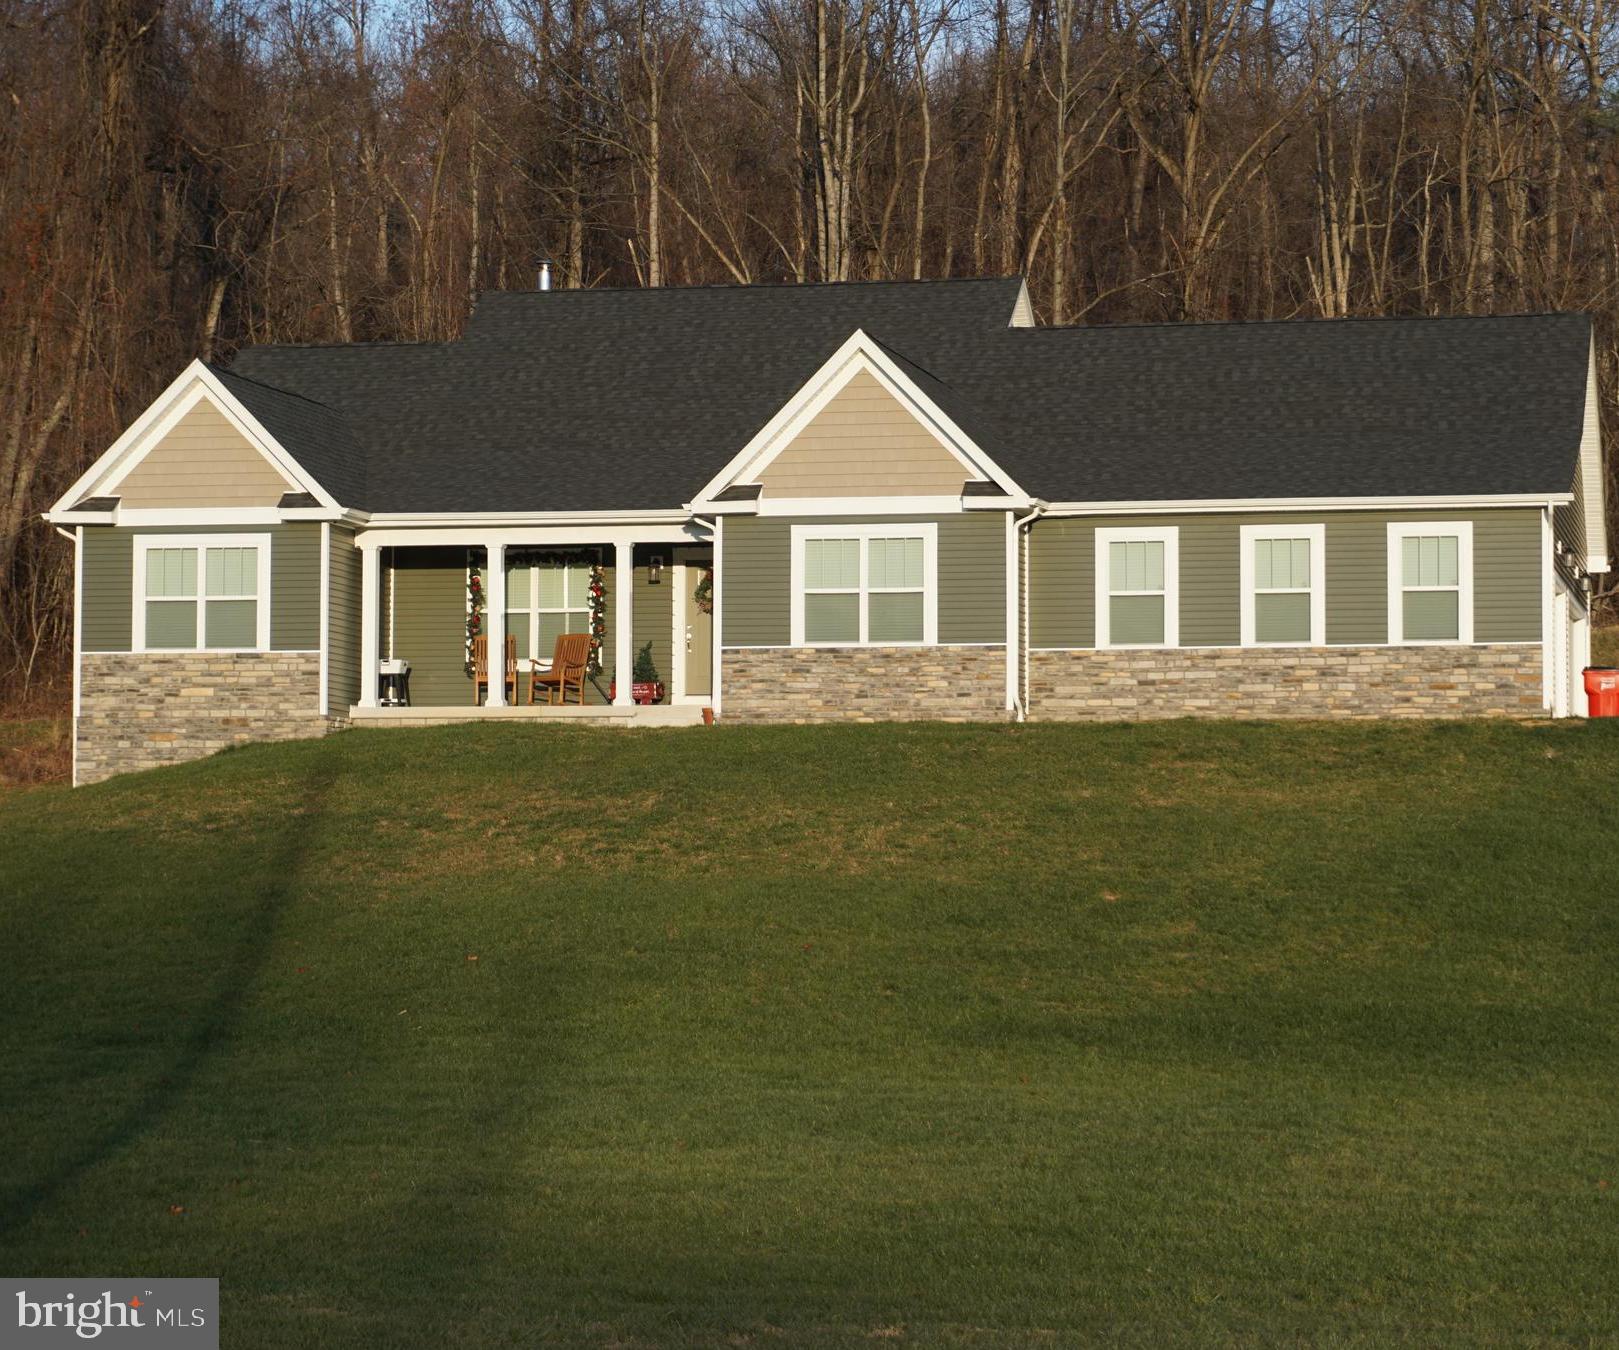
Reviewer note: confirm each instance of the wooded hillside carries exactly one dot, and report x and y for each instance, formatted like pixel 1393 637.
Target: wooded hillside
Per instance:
pixel 181 178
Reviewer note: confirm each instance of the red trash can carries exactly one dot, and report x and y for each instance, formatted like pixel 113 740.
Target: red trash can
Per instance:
pixel 1602 689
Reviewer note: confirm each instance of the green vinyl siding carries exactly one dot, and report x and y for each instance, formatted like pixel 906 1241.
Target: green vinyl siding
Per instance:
pixel 343 625
pixel 1506 575
pixel 295 587
pixel 429 597
pixel 109 580
pixel 653 615
pixel 109 572
pixel 756 562
pixel 428 629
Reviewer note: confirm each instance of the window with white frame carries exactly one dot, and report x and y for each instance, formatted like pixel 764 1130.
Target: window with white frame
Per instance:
pixel 1138 587
pixel 202 593
pixel 1283 580
pixel 864 585
pixel 546 598
pixel 1430 582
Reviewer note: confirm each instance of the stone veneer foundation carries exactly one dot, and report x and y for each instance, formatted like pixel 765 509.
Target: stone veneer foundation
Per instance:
pixel 1481 681
pixel 864 684
pixel 138 710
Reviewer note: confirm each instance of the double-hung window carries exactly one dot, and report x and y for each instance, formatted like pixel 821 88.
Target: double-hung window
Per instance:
pixel 1282 574
pixel 1431 582
pixel 545 599
pixel 202 593
pixel 864 585
pixel 1138 587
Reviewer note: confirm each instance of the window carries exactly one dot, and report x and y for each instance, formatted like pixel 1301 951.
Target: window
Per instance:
pixel 545 599
pixel 1138 587
pixel 1431 582
pixel 864 585
pixel 207 593
pixel 1283 585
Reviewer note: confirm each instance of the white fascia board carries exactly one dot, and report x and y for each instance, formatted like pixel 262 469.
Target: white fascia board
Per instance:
pixel 858 353
pixel 528 536
pixel 487 519
pixel 187 389
pixel 702 508
pixel 1192 504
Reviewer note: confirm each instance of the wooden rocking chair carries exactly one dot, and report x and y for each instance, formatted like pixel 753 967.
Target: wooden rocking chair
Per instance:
pixel 480 666
pixel 568 663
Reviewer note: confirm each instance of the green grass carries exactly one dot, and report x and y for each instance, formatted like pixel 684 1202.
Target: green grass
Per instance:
pixel 1003 1036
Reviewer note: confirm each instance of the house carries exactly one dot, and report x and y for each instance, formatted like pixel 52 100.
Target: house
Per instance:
pixel 869 501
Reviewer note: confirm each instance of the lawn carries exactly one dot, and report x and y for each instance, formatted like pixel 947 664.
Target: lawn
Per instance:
pixel 987 1037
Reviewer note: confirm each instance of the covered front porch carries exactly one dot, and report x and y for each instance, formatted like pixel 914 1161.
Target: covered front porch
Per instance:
pixel 432 597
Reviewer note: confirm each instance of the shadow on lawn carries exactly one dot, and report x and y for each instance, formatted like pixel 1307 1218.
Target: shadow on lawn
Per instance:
pixel 209 1029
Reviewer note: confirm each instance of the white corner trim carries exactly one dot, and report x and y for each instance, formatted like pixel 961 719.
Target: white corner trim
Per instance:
pixel 1252 534
pixel 325 616
pixel 1011 565
pixel 1169 537
pixel 926 531
pixel 145 543
pixel 189 388
pixel 715 684
pixel 1398 532
pixel 858 353
pixel 78 644
pixel 1548 618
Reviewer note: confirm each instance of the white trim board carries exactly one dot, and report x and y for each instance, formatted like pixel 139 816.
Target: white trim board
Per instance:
pixel 1398 532
pixel 1167 535
pixel 858 353
pixel 926 531
pixel 200 543
pixel 1253 534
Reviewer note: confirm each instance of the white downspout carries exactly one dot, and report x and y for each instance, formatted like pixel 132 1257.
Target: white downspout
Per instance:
pixel 1020 527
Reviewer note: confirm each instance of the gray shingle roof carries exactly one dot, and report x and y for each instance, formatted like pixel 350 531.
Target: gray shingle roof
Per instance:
pixel 625 400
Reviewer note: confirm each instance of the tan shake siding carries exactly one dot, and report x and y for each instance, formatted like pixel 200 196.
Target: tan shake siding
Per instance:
pixel 756 587
pixel 1506 569
pixel 109 565
pixel 203 461
pixel 343 624
pixel 864 443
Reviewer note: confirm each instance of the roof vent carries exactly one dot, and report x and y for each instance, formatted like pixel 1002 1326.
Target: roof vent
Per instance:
pixel 545 274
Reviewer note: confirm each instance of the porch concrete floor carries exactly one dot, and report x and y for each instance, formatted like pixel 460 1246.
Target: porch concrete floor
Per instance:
pixel 653 715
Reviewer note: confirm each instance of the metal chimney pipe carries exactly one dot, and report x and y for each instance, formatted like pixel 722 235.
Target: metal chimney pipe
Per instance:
pixel 545 274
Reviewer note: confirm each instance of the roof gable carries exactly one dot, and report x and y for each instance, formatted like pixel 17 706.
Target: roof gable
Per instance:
pixel 202 460
pixel 199 440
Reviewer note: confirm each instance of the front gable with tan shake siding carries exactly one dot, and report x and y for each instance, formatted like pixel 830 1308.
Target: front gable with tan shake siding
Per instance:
pixel 203 461
pixel 1506 571
pixel 864 443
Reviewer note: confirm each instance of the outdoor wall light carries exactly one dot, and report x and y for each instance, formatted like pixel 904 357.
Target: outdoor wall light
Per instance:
pixel 654 569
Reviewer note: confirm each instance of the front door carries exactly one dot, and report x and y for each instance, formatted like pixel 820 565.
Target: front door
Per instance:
pixel 694 625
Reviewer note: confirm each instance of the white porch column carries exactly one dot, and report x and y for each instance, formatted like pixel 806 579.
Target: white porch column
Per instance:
pixel 623 597
pixel 370 621
pixel 494 590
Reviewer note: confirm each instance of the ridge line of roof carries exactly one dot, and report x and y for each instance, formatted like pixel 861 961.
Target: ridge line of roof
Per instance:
pixel 277 389
pixel 754 286
pixel 1303 321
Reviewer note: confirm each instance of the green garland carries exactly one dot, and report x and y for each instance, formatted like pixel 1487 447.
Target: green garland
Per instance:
pixel 477 600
